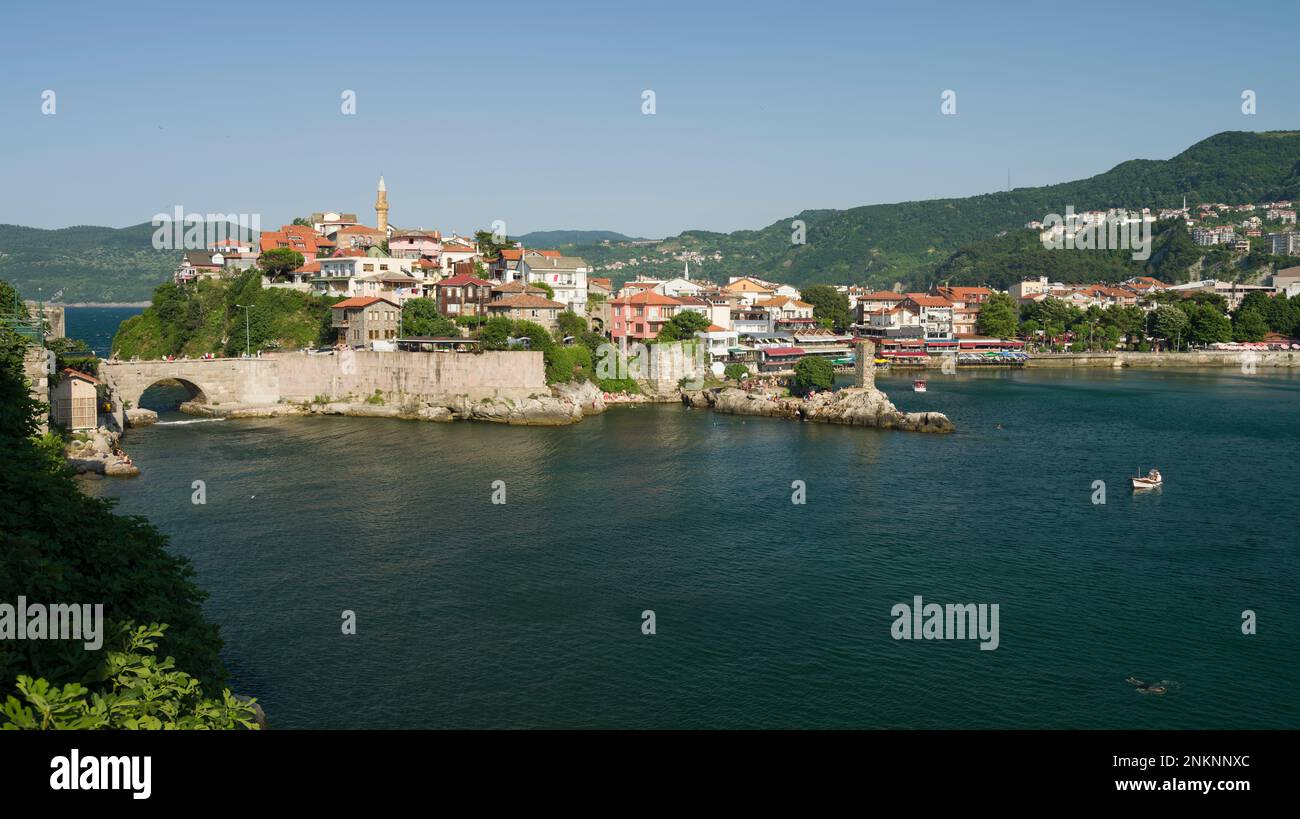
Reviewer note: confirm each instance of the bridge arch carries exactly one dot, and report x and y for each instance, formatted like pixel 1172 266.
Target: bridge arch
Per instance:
pixel 195 392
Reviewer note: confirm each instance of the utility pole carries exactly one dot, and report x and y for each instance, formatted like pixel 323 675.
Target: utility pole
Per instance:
pixel 245 307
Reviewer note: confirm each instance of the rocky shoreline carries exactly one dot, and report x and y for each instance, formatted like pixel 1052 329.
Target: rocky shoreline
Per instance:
pixel 854 406
pixel 565 404
pixel 97 455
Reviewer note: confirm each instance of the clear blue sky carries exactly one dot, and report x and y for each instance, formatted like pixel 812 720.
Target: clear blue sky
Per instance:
pixel 531 112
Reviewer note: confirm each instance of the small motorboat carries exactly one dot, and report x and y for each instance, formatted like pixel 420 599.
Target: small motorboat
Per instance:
pixel 918 385
pixel 1151 480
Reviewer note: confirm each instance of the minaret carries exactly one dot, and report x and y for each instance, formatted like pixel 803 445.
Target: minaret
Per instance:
pixel 381 206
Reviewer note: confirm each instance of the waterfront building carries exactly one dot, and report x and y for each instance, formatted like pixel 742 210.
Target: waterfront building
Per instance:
pixel 719 342
pixel 527 307
pixel 75 401
pixel 936 314
pixel 365 319
pixel 869 303
pixel 641 316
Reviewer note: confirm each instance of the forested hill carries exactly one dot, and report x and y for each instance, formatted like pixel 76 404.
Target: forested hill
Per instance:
pixel 84 263
pixel 909 241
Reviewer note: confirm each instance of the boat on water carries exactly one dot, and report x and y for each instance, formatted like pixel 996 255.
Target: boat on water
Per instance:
pixel 1152 480
pixel 918 385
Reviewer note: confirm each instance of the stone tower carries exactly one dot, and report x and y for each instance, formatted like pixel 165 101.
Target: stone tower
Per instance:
pixel 381 206
pixel 864 365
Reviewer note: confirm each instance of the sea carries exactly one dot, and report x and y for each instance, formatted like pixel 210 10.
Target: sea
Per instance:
pixel 96 325
pixel 664 567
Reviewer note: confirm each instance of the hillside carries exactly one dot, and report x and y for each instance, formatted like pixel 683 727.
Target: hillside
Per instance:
pixel 906 242
pixel 83 263
pixel 204 318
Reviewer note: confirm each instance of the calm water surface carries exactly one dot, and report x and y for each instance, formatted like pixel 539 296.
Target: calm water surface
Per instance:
pixel 769 614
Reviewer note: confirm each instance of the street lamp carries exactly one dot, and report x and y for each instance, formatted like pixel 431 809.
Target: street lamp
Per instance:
pixel 245 307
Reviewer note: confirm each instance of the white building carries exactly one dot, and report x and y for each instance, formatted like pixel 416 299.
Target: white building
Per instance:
pixel 350 276
pixel 566 275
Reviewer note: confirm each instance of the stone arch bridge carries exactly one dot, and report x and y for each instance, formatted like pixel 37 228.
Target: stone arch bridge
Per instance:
pixel 214 381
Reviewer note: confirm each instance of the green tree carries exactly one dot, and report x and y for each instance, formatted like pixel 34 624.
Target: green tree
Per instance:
pixel 682 326
pixel 1208 325
pixel 1249 325
pixel 301 220
pixel 813 373
pixel 488 244
pixel 550 291
pixel 828 303
pixel 420 317
pixel 1169 323
pixel 998 317
pixel 495 333
pixel 736 372
pixel 571 324
pixel 280 260
pixel 537 335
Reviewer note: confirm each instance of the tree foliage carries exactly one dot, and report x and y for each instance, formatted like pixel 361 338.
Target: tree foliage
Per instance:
pixel 828 304
pixel 140 692
pixel 420 317
pixel 280 260
pixel 57 544
pixel 813 373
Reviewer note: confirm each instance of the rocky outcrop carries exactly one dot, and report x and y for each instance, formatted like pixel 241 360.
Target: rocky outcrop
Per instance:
pixel 866 407
pixel 97 455
pixel 585 394
pixel 140 417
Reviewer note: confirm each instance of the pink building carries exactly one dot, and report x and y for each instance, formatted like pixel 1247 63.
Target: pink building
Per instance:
pixel 416 244
pixel 639 317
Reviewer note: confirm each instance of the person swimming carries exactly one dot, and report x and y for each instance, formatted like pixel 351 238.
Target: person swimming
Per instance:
pixel 1146 688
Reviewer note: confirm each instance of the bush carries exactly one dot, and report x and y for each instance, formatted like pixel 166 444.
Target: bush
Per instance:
pixel 624 385
pixel 736 372
pixel 566 364
pixel 142 694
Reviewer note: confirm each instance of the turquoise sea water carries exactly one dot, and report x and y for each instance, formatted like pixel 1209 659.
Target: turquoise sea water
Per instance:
pixel 768 614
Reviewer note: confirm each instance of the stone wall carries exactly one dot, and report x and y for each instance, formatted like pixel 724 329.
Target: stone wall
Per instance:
pixel 36 371
pixel 298 377
pixel 514 374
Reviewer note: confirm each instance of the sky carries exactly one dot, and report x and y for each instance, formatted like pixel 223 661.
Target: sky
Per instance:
pixel 532 113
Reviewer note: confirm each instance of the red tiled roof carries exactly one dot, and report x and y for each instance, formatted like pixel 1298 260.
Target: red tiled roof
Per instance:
pixel 68 371
pixel 463 279
pixel 361 301
pixel 646 297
